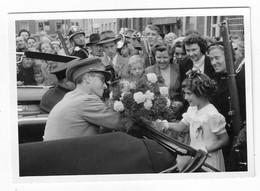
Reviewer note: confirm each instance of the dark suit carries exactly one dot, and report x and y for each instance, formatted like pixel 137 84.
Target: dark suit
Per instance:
pixel 121 67
pixel 186 64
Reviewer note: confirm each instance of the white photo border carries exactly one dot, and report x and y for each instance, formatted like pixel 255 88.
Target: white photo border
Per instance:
pixel 245 11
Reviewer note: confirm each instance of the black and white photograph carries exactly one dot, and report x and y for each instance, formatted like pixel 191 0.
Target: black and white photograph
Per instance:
pixel 126 95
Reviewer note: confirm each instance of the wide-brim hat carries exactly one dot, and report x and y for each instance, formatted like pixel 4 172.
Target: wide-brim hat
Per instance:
pixel 81 67
pixel 108 36
pixel 93 39
pixel 60 71
pixel 129 33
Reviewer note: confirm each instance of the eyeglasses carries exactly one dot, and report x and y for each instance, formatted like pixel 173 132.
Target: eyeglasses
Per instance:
pixel 102 78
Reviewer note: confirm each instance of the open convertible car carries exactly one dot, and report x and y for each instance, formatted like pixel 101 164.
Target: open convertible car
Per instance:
pixel 108 153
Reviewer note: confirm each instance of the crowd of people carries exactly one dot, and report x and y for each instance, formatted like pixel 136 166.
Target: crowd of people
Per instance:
pixel 193 67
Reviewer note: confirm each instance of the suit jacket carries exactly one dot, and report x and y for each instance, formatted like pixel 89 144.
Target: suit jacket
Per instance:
pixel 174 75
pixel 121 67
pixel 187 64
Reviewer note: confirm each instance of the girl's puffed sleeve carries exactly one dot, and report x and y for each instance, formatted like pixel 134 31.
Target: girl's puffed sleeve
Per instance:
pixel 217 124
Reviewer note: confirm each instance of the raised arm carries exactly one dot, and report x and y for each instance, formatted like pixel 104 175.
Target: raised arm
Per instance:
pixel 179 127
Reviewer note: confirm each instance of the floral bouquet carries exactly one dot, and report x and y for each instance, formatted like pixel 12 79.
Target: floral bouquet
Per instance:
pixel 143 99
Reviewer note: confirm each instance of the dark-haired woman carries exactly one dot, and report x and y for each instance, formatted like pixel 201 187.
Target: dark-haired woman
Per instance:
pixel 164 69
pixel 195 47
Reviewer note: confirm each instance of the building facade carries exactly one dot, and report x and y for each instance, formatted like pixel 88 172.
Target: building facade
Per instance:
pixel 205 25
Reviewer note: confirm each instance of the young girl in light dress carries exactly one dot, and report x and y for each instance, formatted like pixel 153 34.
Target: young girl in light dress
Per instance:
pixel 204 123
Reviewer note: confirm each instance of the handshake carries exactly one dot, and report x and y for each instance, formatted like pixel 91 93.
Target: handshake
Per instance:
pixel 161 125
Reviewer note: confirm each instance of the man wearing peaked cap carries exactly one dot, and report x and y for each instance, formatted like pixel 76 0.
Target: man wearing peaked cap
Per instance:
pixel 108 40
pixel 63 86
pixel 95 48
pixel 81 112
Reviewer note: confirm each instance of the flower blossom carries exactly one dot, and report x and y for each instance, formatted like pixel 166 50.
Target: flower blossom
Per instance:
pixel 168 102
pixel 125 85
pixel 164 91
pixel 149 95
pixel 118 106
pixel 132 85
pixel 139 97
pixel 111 95
pixel 152 77
pixel 122 95
pixel 148 104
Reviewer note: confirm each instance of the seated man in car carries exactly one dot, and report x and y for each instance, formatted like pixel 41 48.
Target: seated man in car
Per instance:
pixel 81 112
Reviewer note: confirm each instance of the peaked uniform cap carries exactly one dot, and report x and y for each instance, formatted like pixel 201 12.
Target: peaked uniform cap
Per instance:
pixel 108 36
pixel 81 67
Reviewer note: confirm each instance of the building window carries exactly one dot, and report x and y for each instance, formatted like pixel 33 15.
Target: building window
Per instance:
pixel 44 25
pixel 109 26
pixel 114 26
pixel 24 25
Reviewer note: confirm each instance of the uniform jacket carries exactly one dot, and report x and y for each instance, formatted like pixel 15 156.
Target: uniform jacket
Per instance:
pixel 80 52
pixel 79 114
pixel 121 67
pixel 186 64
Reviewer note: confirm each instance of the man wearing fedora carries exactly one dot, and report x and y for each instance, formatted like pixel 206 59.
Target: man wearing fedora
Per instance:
pixel 108 40
pixel 95 48
pixel 55 94
pixel 77 39
pixel 81 112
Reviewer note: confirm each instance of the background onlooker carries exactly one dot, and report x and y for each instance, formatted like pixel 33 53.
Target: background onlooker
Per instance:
pixel 32 44
pixel 195 47
pixel 169 38
pixel 26 72
pixel 21 44
pixel 38 76
pixel 136 65
pixel 24 33
pixel 179 52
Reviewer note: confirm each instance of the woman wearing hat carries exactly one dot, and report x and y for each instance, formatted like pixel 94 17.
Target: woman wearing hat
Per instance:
pixel 81 112
pixel 77 38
